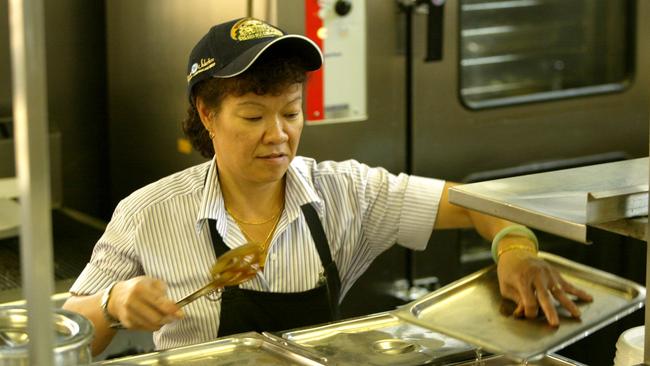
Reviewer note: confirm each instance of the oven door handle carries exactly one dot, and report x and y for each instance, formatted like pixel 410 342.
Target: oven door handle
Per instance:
pixel 435 25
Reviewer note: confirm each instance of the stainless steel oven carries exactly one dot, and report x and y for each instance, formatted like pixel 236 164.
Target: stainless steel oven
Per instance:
pixel 522 81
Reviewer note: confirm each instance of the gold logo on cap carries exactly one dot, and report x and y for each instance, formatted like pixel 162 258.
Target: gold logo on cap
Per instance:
pixel 251 28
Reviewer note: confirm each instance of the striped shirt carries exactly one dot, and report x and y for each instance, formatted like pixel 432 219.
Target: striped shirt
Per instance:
pixel 161 231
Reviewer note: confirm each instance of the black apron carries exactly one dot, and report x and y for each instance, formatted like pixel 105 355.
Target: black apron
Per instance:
pixel 245 310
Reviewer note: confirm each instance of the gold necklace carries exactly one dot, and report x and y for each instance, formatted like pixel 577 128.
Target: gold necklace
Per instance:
pixel 264 245
pixel 240 221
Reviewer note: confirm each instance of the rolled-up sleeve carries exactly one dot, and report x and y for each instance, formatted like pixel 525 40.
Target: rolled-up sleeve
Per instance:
pixel 419 211
pixel 396 208
pixel 114 257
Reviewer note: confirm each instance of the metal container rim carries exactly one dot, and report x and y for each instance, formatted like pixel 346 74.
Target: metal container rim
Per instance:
pixel 82 332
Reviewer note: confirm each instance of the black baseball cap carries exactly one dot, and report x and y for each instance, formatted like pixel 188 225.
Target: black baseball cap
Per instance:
pixel 230 48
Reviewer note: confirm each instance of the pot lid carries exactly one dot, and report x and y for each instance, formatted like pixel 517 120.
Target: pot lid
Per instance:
pixel 71 330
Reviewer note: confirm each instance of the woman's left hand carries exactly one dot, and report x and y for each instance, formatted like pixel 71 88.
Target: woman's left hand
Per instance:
pixel 532 283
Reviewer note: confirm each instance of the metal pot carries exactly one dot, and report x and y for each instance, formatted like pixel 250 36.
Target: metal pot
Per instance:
pixel 71 344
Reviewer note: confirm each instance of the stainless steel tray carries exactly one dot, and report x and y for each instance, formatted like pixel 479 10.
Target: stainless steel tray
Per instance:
pixel 472 309
pixel 548 360
pixel 381 339
pixel 242 349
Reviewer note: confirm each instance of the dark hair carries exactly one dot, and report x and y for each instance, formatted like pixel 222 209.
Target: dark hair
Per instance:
pixel 266 76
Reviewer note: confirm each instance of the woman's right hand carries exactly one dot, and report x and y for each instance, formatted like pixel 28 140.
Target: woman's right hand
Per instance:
pixel 141 303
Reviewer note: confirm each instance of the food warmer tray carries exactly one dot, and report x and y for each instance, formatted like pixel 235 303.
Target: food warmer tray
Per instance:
pixel 548 360
pixel 249 348
pixel 381 339
pixel 472 310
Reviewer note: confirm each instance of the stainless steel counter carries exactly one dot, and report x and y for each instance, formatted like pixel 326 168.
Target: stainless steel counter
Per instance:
pixel 568 202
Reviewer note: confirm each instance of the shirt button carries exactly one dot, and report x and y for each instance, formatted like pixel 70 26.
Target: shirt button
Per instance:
pixel 274 256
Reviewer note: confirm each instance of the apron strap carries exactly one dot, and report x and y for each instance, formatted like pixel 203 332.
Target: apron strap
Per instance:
pixel 331 272
pixel 219 246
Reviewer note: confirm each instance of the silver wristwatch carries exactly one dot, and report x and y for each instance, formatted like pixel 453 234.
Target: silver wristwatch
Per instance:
pixel 104 305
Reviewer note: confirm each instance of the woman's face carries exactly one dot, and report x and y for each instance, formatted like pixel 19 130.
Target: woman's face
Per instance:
pixel 256 136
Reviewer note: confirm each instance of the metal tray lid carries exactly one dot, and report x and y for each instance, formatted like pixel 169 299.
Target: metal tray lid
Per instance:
pixel 381 339
pixel 548 360
pixel 472 310
pixel 250 348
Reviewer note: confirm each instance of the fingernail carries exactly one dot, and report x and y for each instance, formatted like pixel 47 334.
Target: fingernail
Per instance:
pixel 179 314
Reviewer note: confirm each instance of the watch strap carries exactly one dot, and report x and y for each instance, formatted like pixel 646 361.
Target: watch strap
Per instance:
pixel 104 305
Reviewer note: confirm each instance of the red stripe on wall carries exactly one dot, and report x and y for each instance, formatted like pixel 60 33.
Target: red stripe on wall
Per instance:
pixel 314 92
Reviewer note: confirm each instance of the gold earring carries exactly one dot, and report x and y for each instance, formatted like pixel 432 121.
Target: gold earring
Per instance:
pixel 211 135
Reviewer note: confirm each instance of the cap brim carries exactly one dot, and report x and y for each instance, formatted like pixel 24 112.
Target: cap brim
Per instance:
pixel 297 45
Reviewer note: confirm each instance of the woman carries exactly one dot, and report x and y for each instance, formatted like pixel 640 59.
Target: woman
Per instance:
pixel 319 225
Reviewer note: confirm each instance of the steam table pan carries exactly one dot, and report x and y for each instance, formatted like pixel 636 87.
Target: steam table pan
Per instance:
pixel 249 348
pixel 548 360
pixel 472 310
pixel 381 339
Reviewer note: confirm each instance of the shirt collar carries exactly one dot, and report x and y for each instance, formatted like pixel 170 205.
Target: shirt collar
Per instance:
pixel 299 191
pixel 212 205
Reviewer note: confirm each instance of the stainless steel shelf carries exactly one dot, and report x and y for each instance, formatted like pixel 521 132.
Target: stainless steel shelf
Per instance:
pixel 568 202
